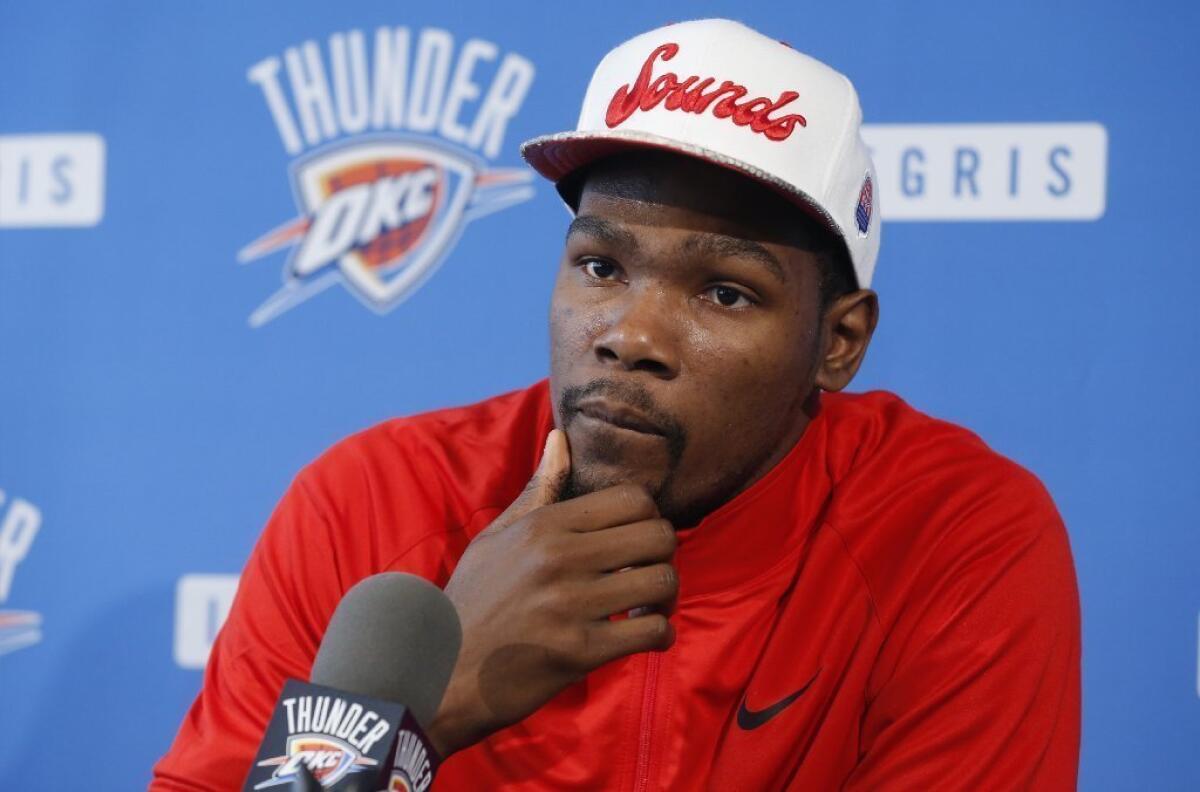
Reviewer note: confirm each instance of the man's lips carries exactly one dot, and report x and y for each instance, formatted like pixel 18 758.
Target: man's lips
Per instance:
pixel 619 415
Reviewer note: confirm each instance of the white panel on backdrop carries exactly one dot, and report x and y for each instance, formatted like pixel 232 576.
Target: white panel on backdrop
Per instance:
pixel 990 171
pixel 202 603
pixel 51 180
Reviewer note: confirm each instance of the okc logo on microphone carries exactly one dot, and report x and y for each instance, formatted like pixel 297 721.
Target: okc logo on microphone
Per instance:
pixel 412 769
pixel 380 210
pixel 327 758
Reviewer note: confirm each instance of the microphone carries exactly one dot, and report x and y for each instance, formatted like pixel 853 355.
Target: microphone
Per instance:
pixel 379 676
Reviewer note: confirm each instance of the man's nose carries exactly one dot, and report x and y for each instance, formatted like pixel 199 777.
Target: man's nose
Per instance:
pixel 641 336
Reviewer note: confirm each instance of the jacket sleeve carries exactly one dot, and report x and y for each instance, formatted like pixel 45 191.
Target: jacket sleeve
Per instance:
pixel 285 598
pixel 982 666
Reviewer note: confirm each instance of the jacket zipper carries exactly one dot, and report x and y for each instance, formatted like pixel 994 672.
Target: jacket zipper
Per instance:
pixel 641 778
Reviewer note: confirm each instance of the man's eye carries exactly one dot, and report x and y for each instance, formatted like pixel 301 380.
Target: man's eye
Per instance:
pixel 600 269
pixel 728 297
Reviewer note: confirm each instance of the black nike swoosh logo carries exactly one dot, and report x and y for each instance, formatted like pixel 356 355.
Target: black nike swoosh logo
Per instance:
pixel 748 719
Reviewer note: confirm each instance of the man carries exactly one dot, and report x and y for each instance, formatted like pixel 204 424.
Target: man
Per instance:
pixel 685 562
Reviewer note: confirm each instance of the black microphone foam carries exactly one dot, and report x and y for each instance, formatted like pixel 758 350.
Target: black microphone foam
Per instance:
pixel 394 637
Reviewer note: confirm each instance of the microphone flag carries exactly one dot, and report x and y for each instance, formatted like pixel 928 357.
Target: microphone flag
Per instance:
pixel 346 742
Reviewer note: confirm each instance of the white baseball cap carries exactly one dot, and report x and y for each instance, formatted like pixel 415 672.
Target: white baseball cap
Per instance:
pixel 717 90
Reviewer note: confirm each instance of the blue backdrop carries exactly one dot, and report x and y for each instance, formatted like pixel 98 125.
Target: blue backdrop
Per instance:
pixel 147 425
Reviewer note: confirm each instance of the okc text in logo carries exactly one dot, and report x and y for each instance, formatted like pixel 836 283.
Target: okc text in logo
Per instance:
pixel 393 144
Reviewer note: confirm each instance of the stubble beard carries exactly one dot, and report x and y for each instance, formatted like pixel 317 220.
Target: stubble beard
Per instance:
pixel 604 451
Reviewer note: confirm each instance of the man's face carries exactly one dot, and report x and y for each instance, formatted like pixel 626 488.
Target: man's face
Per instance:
pixel 685 331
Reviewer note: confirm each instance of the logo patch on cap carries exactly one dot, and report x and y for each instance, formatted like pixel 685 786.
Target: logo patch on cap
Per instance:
pixel 862 215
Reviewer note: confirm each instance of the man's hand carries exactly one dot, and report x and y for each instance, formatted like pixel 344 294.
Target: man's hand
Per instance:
pixel 535 590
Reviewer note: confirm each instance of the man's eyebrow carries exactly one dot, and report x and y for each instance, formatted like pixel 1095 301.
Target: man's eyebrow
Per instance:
pixel 721 246
pixel 603 230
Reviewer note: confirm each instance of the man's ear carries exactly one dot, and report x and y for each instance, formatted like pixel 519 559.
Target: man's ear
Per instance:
pixel 846 329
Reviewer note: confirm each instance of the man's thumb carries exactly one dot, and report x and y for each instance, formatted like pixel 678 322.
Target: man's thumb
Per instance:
pixel 545 486
pixel 552 472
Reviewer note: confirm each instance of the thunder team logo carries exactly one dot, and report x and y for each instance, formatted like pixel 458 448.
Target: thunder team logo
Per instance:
pixel 19 524
pixel 393 154
pixel 328 735
pixel 327 758
pixel 412 769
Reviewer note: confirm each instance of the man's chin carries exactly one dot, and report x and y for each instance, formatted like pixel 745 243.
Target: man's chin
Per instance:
pixel 604 455
pixel 586 478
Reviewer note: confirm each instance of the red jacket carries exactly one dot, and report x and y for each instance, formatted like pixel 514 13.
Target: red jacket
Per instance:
pixel 892 607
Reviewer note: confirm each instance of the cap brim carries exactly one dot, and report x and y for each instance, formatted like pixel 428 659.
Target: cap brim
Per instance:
pixel 558 156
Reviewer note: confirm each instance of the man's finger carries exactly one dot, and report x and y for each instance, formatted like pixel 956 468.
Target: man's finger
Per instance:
pixel 618 592
pixel 619 505
pixel 637 544
pixel 608 640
